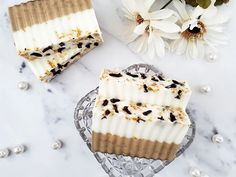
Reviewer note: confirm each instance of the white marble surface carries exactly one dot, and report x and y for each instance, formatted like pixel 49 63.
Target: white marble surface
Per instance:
pixel 45 112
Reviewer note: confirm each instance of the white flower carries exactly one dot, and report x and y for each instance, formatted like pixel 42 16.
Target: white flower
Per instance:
pixel 147 30
pixel 201 29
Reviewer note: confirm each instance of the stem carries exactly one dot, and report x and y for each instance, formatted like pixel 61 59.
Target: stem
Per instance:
pixel 166 4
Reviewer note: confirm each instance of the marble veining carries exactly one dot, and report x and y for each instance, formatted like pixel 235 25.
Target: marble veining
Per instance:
pixel 45 112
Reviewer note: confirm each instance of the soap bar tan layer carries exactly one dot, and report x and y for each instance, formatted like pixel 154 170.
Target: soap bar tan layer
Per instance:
pixel 40 11
pixel 134 147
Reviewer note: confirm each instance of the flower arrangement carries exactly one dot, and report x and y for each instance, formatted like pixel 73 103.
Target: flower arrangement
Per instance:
pixel 193 31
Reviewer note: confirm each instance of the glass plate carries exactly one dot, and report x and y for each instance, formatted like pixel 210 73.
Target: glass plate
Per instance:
pixel 119 165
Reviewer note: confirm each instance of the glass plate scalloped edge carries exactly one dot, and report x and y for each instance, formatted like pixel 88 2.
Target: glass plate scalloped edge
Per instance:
pixel 119 165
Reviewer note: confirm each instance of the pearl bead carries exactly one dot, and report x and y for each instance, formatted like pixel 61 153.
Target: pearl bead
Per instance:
pixel 19 149
pixel 57 145
pixel 217 138
pixel 4 153
pixel 23 85
pixel 194 172
pixel 212 57
pixel 205 89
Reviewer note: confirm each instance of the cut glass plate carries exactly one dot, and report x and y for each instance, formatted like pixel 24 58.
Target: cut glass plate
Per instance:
pixel 119 165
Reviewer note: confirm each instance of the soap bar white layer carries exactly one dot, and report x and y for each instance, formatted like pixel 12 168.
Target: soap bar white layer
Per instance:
pixel 149 128
pixel 132 89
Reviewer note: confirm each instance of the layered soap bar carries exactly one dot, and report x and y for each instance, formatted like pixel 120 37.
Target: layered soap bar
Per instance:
pixel 137 129
pixel 140 87
pixel 42 28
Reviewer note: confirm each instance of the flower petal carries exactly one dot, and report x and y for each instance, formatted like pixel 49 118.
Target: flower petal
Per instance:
pixel 140 29
pixel 179 46
pixel 140 44
pixel 201 48
pixel 161 14
pixel 158 43
pixel 192 51
pixel 128 35
pixel 149 3
pixel 169 35
pixel 213 38
pixel 180 6
pixel 142 9
pixel 197 12
pixel 129 5
pixel 218 19
pixel 165 26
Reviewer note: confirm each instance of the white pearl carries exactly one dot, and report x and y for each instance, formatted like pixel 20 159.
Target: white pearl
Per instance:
pixel 19 149
pixel 212 57
pixel 205 89
pixel 217 138
pixel 57 145
pixel 23 85
pixel 4 153
pixel 194 172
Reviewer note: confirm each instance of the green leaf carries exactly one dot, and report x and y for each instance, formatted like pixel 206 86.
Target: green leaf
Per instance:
pixel 192 2
pixel 204 3
pixel 220 2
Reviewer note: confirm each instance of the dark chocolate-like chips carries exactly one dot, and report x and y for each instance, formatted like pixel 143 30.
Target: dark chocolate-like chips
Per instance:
pixel 145 88
pixel 143 76
pixel 132 75
pixel 105 102
pixel 107 112
pixel 126 109
pixel 160 118
pixel 115 75
pixel 88 45
pixel 96 43
pixel 147 112
pixel 75 56
pixel 171 86
pixel 139 104
pixel 178 83
pixel 160 78
pixel 90 37
pixel 155 79
pixel 59 66
pixel 61 44
pixel 172 117
pixel 114 100
pixel 115 108
pixel 47 48
pixel 79 45
pixel 54 72
pixel 61 49
pixel 36 54
pixel 140 119
pixel 179 94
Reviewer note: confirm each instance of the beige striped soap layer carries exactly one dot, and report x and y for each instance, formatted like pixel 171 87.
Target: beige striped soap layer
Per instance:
pixel 134 147
pixel 40 11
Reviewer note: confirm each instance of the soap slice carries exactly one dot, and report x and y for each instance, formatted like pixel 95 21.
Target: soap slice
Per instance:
pixel 139 87
pixel 137 129
pixel 49 67
pixel 45 27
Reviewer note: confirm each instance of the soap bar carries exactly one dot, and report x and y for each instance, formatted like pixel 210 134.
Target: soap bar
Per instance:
pixel 145 88
pixel 45 27
pixel 138 129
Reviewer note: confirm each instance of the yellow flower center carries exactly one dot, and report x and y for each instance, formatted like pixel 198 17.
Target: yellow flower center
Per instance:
pixel 195 33
pixel 139 19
